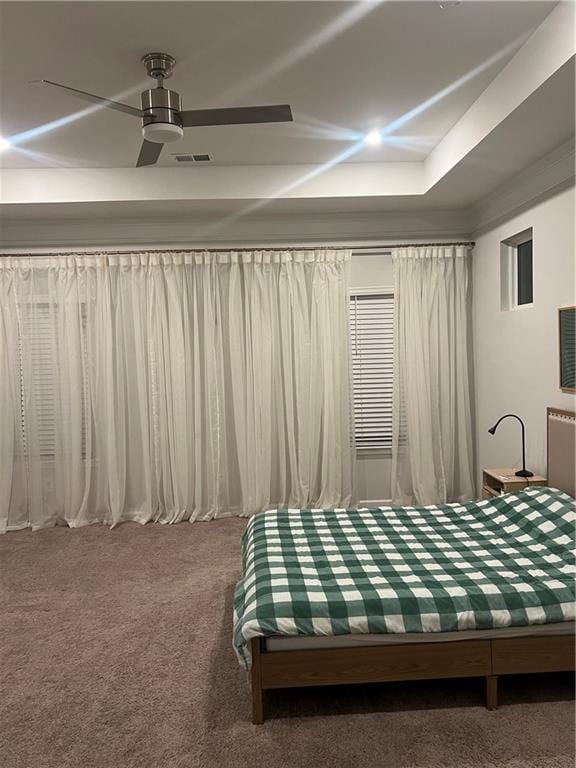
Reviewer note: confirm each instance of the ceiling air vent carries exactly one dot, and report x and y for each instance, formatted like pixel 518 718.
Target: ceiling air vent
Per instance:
pixel 192 158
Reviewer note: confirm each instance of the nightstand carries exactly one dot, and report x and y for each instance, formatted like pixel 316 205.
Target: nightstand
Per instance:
pixel 498 481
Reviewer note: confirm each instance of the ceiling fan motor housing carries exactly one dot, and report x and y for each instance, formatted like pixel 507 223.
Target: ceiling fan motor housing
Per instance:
pixel 162 121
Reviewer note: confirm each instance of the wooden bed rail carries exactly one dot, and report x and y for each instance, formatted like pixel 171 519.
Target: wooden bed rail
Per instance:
pixel 413 661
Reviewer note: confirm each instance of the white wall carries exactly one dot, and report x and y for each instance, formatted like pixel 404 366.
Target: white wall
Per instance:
pixel 516 352
pixel 371 270
pixel 372 471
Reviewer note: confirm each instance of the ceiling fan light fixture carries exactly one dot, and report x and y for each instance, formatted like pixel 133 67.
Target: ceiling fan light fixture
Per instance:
pixel 162 133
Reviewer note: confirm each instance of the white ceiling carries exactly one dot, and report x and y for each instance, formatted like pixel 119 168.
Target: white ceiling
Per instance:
pixel 541 123
pixel 344 68
pixel 496 80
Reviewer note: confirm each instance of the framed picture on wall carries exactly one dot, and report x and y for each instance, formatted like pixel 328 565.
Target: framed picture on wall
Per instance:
pixel 567 342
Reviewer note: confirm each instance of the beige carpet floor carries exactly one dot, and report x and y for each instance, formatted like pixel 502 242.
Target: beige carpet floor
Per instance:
pixel 116 653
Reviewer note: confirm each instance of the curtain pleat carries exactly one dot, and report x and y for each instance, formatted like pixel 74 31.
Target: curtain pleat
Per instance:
pixel 432 457
pixel 172 386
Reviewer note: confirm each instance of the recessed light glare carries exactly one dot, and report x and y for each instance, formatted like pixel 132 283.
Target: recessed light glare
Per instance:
pixel 373 138
pixel 4 144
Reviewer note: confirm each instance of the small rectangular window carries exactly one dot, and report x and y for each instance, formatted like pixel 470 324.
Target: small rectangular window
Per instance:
pixel 517 271
pixel 524 272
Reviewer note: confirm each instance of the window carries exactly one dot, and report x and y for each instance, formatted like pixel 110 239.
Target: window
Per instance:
pixel 516 271
pixel 372 350
pixel 39 366
pixel 39 384
pixel 524 273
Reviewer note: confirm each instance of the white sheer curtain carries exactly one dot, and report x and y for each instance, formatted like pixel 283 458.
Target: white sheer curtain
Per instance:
pixel 432 426
pixel 172 386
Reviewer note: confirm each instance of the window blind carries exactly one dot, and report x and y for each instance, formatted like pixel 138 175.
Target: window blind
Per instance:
pixel 37 376
pixel 38 384
pixel 372 348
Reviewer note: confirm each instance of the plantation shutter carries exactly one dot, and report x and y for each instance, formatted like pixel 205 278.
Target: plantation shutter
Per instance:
pixel 372 345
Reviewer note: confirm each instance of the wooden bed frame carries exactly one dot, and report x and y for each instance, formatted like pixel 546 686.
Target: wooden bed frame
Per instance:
pixel 416 661
pixel 413 661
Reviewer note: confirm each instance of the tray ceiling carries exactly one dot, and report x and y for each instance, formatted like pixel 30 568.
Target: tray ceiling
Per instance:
pixel 344 67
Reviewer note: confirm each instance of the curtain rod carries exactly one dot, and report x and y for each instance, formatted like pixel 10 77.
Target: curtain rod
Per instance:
pixel 468 243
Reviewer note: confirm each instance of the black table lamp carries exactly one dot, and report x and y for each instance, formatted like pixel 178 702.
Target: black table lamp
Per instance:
pixel 521 472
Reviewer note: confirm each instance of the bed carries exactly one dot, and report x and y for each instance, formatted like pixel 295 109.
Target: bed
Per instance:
pixel 478 589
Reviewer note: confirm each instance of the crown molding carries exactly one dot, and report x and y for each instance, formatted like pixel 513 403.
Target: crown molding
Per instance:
pixel 366 227
pixel 545 178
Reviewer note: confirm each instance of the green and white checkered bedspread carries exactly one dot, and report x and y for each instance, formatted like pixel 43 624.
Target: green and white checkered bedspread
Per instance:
pixel 486 564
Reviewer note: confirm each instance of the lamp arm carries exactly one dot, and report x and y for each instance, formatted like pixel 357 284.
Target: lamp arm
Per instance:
pixel 513 416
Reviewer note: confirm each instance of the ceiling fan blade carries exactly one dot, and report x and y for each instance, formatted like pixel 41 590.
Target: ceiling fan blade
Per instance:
pixel 277 113
pixel 126 108
pixel 149 153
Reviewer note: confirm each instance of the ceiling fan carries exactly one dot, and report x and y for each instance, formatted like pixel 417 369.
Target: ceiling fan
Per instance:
pixel 162 119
